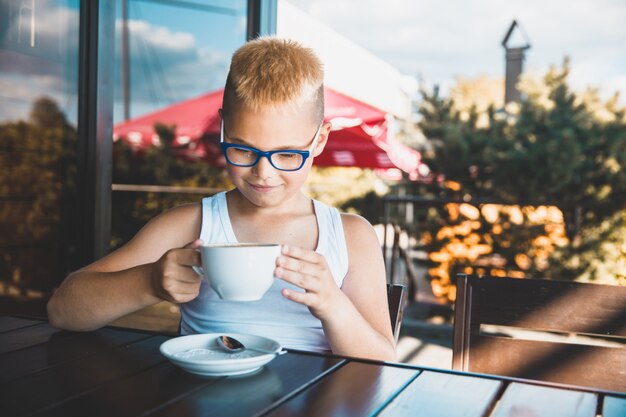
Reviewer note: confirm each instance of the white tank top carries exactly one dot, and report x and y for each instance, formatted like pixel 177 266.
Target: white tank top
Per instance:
pixel 273 316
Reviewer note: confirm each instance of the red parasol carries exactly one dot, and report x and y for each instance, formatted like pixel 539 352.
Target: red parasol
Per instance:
pixel 360 136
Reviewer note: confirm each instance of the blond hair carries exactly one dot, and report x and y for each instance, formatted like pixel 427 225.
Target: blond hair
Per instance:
pixel 270 71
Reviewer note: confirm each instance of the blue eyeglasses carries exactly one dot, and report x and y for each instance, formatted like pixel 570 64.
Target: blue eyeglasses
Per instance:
pixel 282 160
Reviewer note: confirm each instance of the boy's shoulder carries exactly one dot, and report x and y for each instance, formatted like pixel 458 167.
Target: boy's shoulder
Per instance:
pixel 174 228
pixel 183 210
pixel 361 238
pixel 354 222
pixel 183 219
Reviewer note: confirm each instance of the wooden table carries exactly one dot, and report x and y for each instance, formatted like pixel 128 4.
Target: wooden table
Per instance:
pixel 120 372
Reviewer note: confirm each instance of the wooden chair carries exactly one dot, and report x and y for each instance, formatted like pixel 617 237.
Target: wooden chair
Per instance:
pixel 396 297
pixel 558 331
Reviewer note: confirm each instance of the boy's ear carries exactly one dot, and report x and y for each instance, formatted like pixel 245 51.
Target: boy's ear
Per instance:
pixel 322 138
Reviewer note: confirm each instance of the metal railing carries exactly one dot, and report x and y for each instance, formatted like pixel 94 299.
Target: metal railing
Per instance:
pixel 174 189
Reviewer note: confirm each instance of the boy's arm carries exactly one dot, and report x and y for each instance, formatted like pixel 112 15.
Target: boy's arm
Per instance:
pixel 150 268
pixel 362 327
pixel 356 317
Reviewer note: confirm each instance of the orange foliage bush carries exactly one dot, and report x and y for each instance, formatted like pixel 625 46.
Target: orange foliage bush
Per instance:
pixel 498 240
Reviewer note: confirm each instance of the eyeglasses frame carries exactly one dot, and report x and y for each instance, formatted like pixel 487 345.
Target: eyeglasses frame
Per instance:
pixel 267 154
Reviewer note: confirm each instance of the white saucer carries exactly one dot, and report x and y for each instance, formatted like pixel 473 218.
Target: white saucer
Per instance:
pixel 200 354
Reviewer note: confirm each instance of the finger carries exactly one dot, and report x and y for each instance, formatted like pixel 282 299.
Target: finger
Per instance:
pixel 188 257
pixel 183 285
pixel 306 282
pixel 185 291
pixel 177 283
pixel 189 278
pixel 182 297
pixel 299 297
pixel 296 265
pixel 302 254
pixel 195 244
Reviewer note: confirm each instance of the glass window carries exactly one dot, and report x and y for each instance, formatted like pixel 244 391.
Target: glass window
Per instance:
pixel 38 114
pixel 176 50
pixel 167 53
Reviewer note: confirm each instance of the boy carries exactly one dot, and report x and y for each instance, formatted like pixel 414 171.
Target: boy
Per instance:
pixel 330 286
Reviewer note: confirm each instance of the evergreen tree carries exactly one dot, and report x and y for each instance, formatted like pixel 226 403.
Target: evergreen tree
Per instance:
pixel 556 148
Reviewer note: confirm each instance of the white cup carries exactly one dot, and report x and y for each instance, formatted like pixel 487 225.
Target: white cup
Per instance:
pixel 240 271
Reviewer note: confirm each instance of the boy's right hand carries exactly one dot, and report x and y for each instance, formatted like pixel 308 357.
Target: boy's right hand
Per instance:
pixel 172 277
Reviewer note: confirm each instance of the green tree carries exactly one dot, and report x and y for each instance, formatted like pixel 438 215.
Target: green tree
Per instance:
pixel 557 154
pixel 556 148
pixel 38 188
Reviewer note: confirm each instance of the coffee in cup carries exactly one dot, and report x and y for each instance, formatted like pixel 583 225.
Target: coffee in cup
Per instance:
pixel 239 271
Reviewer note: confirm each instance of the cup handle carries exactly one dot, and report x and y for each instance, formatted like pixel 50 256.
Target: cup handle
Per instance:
pixel 200 271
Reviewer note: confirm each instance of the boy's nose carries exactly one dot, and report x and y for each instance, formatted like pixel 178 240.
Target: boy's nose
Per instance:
pixel 263 169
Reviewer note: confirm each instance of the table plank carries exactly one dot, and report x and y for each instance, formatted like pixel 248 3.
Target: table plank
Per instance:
pixel 62 383
pixel 62 347
pixel 355 389
pixel 438 394
pixel 132 396
pixel 614 407
pixel 25 337
pixel 8 323
pixel 249 395
pixel 540 401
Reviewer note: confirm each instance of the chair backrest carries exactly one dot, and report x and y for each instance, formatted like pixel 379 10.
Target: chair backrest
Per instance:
pixel 557 331
pixel 396 297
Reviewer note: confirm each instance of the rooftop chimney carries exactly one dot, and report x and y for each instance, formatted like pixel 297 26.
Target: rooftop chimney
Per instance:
pixel 515 43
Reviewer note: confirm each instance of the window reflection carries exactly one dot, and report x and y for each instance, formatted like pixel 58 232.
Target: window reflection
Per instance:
pixel 166 53
pixel 176 50
pixel 38 113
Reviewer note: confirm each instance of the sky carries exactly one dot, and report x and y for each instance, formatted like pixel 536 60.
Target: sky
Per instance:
pixel 181 52
pixel 178 51
pixel 437 41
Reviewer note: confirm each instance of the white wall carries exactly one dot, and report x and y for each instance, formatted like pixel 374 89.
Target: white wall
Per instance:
pixel 349 68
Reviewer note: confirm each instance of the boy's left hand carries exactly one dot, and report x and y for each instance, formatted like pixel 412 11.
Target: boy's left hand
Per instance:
pixel 308 270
